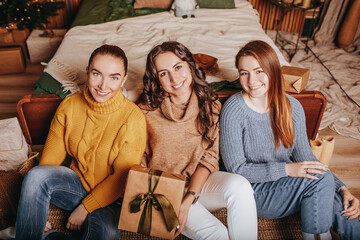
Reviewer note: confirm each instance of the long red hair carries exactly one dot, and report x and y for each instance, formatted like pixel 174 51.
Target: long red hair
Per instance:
pixel 278 104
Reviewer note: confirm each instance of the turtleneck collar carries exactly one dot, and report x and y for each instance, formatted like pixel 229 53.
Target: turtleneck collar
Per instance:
pixel 111 105
pixel 180 113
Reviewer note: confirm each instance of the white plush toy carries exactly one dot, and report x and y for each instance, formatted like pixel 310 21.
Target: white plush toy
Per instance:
pixel 184 8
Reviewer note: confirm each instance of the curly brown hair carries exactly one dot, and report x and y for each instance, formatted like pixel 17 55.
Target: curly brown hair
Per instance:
pixel 152 95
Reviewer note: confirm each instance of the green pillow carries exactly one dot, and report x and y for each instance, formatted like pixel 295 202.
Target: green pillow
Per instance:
pixel 226 86
pixel 100 11
pixel 216 3
pixel 46 84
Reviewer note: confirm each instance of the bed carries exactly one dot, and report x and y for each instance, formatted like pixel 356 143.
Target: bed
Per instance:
pixel 216 32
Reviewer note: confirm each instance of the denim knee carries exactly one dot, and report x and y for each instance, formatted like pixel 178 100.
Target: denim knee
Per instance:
pixel 43 179
pixel 34 179
pixel 327 181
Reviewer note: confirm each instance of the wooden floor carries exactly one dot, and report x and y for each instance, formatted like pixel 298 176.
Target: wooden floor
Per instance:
pixel 345 162
pixel 14 86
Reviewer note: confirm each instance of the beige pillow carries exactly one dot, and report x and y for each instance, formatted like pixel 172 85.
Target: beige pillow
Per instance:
pixel 166 4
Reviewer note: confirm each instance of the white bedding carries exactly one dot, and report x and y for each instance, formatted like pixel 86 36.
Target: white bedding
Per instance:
pixel 216 32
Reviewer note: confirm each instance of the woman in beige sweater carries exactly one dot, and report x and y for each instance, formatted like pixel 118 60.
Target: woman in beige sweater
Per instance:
pixel 183 137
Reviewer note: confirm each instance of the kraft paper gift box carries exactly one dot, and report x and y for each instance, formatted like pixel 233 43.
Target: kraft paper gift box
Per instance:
pixel 151 202
pixel 295 79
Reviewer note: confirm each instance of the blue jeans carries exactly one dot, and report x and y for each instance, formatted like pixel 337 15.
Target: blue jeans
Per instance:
pixel 320 207
pixel 347 229
pixel 62 187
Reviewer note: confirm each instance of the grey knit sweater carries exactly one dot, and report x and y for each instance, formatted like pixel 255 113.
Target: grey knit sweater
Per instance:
pixel 247 142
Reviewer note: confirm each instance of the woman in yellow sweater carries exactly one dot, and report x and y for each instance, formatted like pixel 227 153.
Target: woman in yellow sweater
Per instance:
pixel 183 137
pixel 104 134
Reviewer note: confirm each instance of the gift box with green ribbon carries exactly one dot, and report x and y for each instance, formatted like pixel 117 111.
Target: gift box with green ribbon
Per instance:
pixel 151 202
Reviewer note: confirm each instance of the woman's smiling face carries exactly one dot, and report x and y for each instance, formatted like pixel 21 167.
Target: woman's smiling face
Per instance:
pixel 106 76
pixel 253 79
pixel 174 76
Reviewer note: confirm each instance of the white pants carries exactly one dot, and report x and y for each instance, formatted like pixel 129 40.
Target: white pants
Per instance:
pixel 223 190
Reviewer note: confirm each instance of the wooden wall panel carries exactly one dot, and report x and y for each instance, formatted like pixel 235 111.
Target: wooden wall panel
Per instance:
pixel 64 19
pixel 269 15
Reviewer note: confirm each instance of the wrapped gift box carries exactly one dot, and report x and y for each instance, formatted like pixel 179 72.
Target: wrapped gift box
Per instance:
pixel 20 35
pixel 6 37
pixel 145 187
pixel 13 36
pixel 41 49
pixel 11 60
pixel 295 78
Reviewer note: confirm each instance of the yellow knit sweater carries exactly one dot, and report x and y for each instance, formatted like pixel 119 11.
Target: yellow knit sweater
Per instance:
pixel 104 140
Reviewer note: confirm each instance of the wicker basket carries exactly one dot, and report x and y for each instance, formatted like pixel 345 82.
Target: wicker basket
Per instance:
pixel 10 188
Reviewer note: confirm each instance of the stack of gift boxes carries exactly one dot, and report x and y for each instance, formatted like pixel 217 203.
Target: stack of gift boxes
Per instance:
pixel 18 45
pixel 13 50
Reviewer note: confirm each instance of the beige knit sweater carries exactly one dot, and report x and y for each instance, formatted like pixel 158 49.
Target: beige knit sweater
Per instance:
pixel 174 144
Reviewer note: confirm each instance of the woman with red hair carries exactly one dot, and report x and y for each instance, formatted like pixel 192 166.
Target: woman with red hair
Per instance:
pixel 263 138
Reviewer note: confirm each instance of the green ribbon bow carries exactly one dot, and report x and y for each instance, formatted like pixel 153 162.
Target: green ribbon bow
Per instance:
pixel 158 201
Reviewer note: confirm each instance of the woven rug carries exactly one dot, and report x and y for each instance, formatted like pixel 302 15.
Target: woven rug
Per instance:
pixel 288 228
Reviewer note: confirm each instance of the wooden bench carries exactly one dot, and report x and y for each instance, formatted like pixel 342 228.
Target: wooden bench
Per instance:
pixel 36 112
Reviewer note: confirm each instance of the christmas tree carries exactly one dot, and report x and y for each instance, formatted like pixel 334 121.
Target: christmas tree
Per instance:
pixel 28 13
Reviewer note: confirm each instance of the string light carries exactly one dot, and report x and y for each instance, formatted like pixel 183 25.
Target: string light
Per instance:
pixel 29 13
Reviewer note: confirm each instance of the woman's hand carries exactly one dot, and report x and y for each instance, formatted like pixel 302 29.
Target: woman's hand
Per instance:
pixel 197 182
pixel 184 212
pixel 350 203
pixel 77 218
pixel 302 169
